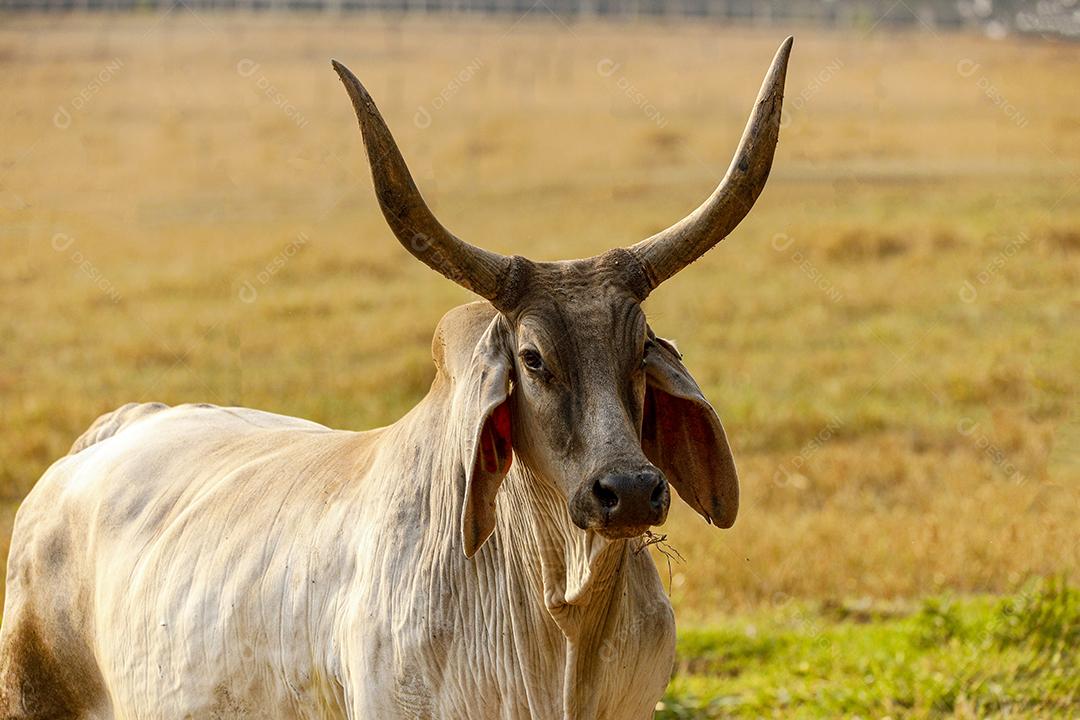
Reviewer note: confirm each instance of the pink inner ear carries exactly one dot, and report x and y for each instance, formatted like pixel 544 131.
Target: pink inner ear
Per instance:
pixel 495 446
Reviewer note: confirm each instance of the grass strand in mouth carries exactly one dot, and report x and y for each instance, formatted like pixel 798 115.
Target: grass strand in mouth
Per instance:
pixel 666 549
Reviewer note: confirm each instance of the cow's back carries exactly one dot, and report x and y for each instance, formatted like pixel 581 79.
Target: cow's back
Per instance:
pixel 177 560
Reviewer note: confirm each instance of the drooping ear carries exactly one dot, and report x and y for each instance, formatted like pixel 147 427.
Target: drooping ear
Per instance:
pixel 682 435
pixel 489 450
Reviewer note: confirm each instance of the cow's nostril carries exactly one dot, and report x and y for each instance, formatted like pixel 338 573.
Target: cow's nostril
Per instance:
pixel 657 497
pixel 608 499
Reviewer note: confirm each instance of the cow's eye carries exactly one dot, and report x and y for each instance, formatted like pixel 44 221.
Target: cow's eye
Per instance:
pixel 532 360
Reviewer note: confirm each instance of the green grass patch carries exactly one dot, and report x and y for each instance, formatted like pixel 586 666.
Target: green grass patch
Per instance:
pixel 946 657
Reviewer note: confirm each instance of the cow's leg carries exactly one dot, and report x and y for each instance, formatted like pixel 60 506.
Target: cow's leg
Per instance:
pixel 35 684
pixel 48 667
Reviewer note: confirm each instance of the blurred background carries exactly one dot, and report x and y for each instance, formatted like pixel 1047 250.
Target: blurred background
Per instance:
pixel 891 337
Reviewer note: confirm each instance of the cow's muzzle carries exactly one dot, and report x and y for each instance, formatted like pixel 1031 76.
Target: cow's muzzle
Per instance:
pixel 622 504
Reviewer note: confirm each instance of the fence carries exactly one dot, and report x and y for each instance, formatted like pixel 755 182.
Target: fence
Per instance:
pixel 1059 18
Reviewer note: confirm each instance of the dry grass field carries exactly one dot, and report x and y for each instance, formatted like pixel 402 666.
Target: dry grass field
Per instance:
pixel 891 338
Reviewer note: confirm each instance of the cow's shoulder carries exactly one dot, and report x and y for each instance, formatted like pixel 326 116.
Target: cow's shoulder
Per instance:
pixel 109 424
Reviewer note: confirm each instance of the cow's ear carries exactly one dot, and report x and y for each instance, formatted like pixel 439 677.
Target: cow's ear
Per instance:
pixel 682 435
pixel 489 452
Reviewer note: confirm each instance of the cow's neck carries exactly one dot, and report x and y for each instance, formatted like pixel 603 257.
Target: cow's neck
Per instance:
pixel 599 594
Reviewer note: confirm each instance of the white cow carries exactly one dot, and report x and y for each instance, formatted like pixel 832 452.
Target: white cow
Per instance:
pixel 207 562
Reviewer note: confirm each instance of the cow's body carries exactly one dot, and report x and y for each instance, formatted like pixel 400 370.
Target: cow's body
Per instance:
pixel 211 562
pixel 481 558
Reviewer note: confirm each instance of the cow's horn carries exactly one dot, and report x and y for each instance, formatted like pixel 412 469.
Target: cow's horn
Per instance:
pixel 407 213
pixel 669 251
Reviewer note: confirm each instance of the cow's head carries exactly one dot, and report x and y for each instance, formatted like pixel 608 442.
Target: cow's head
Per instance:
pixel 570 374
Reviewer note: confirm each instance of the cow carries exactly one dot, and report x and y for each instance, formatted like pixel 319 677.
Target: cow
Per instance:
pixel 480 558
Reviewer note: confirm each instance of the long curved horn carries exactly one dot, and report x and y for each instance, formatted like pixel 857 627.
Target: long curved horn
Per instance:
pixel 407 213
pixel 669 251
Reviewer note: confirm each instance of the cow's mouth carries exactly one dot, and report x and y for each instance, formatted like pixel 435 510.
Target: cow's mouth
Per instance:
pixel 615 532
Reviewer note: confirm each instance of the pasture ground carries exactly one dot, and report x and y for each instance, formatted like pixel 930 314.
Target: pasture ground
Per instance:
pixel 890 338
pixel 974 658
